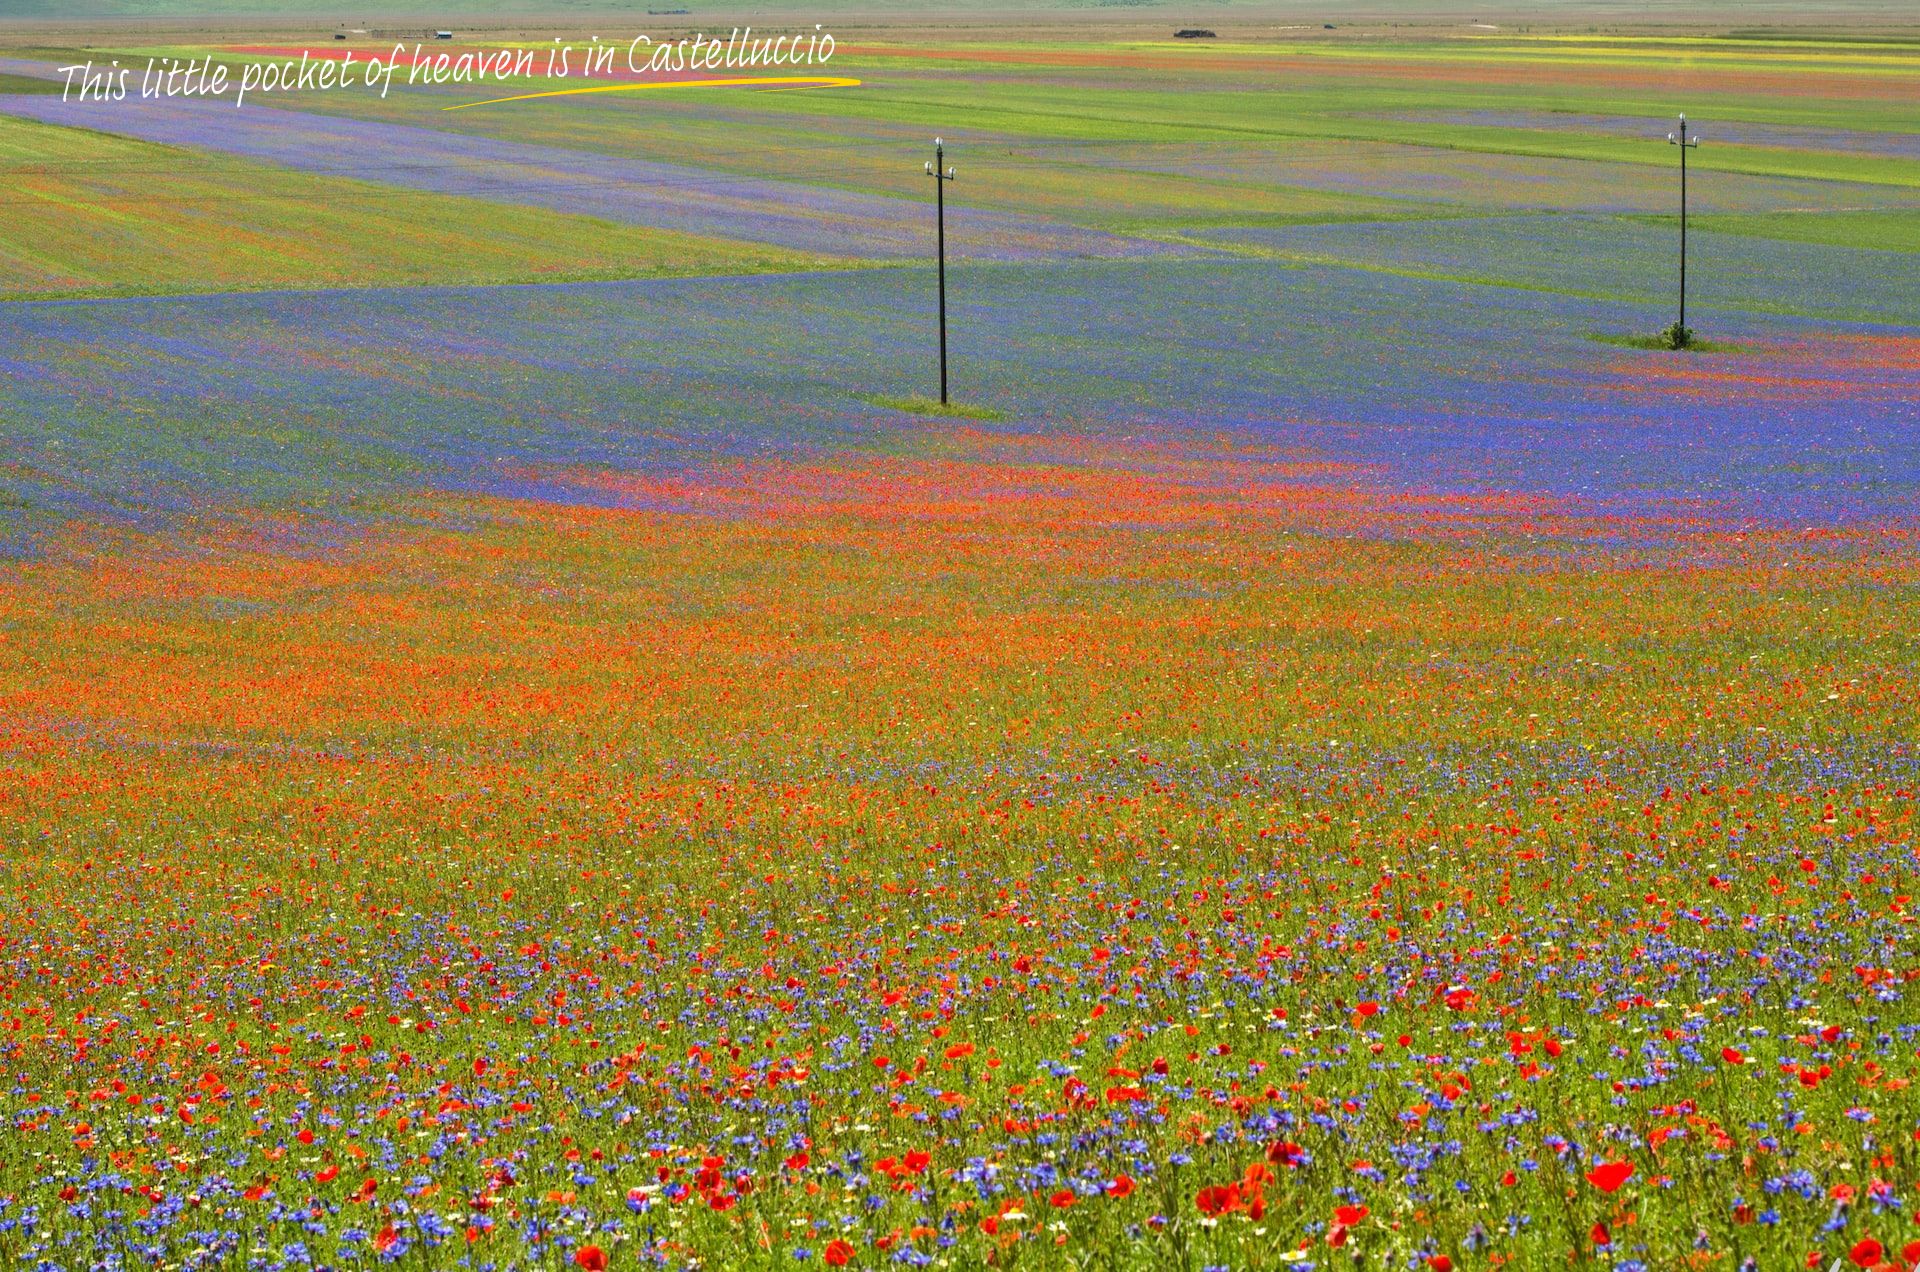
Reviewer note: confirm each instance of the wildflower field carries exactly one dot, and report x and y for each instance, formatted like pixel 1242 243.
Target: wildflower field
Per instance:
pixel 1337 759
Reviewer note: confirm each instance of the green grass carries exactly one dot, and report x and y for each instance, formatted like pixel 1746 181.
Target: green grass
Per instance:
pixel 1124 114
pixel 1885 229
pixel 97 215
pixel 27 84
pixel 913 404
pixel 1654 342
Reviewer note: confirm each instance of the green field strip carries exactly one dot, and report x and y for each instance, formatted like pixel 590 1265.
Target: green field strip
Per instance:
pixel 88 214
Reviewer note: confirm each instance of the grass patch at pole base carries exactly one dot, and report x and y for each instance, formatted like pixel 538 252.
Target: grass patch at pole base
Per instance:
pixel 1668 339
pixel 916 405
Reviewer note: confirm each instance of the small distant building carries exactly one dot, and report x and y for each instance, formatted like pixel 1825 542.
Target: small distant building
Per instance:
pixel 1194 33
pixel 443 35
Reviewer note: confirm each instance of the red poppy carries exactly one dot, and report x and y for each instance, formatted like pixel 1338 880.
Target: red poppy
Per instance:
pixel 1439 1263
pixel 838 1253
pixel 1218 1199
pixel 1122 1186
pixel 1062 1199
pixel 1350 1216
pixel 1600 1235
pixel 592 1258
pixel 1285 1153
pixel 1732 1055
pixel 1866 1253
pixel 1608 1176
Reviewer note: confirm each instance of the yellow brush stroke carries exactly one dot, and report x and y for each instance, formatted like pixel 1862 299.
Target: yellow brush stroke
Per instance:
pixel 807 81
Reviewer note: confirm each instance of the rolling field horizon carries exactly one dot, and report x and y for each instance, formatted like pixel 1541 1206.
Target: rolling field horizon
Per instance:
pixel 534 738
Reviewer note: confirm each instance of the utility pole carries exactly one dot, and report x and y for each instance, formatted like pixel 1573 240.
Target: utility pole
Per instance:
pixel 1686 143
pixel 941 174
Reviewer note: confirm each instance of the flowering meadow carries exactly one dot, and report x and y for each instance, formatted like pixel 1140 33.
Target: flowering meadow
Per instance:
pixel 952 843
pixel 1337 759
